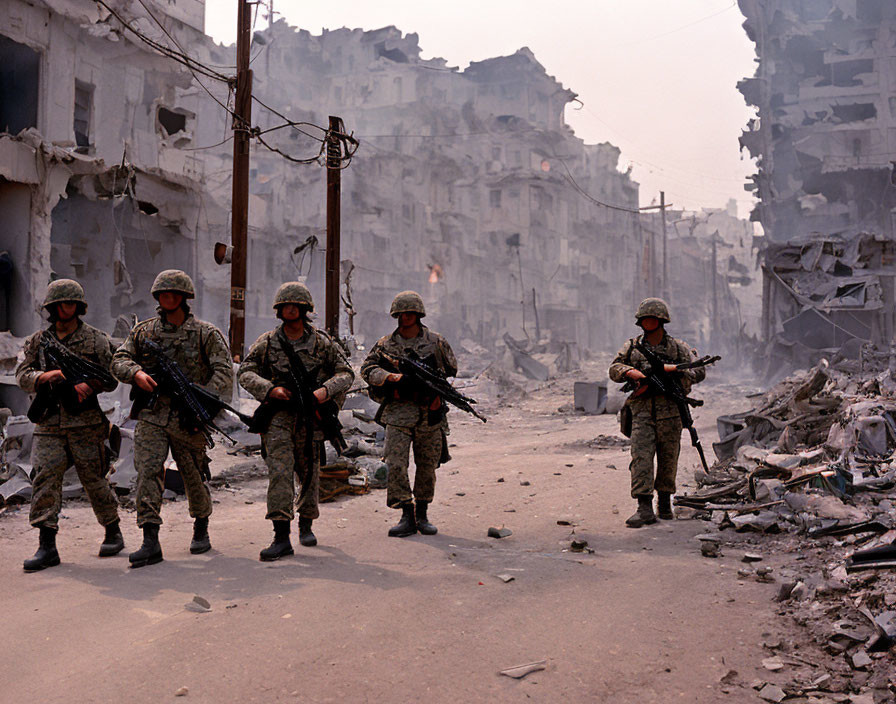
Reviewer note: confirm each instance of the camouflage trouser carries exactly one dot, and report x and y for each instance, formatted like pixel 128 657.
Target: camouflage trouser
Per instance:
pixel 660 438
pixel 427 443
pixel 151 443
pixel 52 455
pixel 284 454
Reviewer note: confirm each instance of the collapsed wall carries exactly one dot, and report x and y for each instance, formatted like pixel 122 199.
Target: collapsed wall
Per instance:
pixel 824 140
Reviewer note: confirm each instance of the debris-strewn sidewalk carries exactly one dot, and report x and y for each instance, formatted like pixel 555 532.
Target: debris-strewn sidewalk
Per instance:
pixel 803 491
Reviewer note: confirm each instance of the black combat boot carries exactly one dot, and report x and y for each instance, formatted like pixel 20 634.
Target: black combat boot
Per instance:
pixel 151 551
pixel 200 542
pixel 306 537
pixel 664 506
pixel 423 524
pixel 113 543
pixel 644 515
pixel 281 547
pixel 46 555
pixel 407 525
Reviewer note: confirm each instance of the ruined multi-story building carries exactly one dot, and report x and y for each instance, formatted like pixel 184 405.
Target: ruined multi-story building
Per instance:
pixel 825 138
pixel 115 162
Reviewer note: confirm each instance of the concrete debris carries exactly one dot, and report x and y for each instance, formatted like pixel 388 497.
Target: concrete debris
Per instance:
pixel 499 532
pixel 772 693
pixel 506 577
pixel 199 605
pixel 519 671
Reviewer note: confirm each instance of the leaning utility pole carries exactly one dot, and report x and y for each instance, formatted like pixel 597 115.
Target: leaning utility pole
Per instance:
pixel 242 120
pixel 334 184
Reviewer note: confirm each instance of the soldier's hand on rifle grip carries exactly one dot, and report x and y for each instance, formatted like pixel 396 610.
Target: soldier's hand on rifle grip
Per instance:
pixel 83 390
pixel 670 368
pixel 634 375
pixel 321 394
pixel 394 378
pixel 145 382
pixel 50 377
pixel 280 393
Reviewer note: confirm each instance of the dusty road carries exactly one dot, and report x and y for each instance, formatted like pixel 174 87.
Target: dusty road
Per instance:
pixel 366 618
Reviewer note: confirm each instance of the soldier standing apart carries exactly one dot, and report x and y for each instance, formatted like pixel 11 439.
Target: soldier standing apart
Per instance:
pixel 201 352
pixel 656 422
pixel 264 374
pixel 411 418
pixel 67 434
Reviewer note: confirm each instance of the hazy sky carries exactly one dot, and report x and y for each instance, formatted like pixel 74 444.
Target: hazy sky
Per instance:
pixel 657 77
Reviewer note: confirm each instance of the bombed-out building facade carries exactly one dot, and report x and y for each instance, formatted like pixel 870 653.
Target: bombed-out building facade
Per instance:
pixel 824 139
pixel 468 186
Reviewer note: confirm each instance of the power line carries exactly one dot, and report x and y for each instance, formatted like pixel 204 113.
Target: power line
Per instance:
pixel 180 57
pixel 676 29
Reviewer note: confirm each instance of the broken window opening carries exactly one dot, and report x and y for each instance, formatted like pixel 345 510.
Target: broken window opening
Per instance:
pixel 19 86
pixel 870 11
pixel 171 122
pixel 82 112
pixel 396 55
pixel 494 198
pixel 844 73
pixel 854 113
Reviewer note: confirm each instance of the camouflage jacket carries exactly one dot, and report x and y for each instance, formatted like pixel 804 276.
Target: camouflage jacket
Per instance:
pixel 428 345
pixel 267 366
pixel 630 358
pixel 198 347
pixel 87 342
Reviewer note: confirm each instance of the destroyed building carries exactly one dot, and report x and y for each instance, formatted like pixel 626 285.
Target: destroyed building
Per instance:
pixel 824 140
pixel 115 163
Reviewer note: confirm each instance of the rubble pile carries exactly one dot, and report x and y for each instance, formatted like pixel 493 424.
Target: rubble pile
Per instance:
pixel 805 484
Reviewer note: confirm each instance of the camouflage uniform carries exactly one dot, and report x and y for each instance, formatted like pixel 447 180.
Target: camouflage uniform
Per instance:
pixel 407 419
pixel 201 352
pixel 64 438
pixel 656 423
pixel 283 445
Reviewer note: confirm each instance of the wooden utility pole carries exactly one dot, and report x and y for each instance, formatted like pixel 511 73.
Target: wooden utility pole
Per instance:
pixel 242 120
pixel 334 179
pixel 665 247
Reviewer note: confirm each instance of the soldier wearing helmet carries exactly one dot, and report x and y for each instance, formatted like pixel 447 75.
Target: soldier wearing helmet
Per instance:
pixel 264 373
pixel 656 423
pixel 411 418
pixel 68 431
pixel 202 353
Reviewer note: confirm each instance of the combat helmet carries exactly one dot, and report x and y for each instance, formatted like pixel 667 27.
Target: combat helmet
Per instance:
pixel 407 302
pixel 294 292
pixel 653 308
pixel 173 280
pixel 64 291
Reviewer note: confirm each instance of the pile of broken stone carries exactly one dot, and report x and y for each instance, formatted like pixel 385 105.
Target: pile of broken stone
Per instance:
pixel 803 494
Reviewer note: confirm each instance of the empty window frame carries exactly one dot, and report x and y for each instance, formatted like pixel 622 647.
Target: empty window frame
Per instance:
pixel 19 86
pixel 82 114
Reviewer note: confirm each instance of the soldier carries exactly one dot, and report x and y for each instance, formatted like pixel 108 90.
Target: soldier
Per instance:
pixel 200 350
pixel 411 418
pixel 656 423
pixel 264 374
pixel 66 435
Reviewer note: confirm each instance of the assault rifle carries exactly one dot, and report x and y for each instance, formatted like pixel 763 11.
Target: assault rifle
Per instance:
pixel 196 407
pixel 302 402
pixel 661 382
pixel 76 370
pixel 419 376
